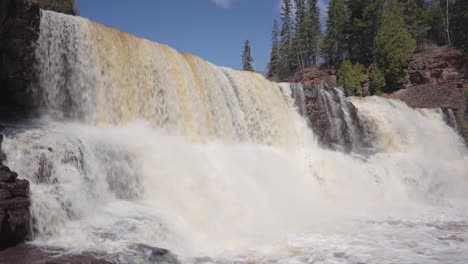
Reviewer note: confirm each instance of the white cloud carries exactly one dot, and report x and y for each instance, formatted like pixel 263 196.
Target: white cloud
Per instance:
pixel 222 3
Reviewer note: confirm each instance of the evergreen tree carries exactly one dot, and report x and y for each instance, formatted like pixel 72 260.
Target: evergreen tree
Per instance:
pixel 300 35
pixel 273 66
pixel 247 59
pixel 335 40
pixel 376 79
pixel 287 54
pixel 362 28
pixel 313 32
pixel 417 18
pixel 350 77
pixel 394 46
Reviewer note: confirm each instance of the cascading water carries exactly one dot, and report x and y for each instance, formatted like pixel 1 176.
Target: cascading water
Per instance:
pixel 143 145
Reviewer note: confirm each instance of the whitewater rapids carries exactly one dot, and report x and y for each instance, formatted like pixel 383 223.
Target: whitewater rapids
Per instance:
pixel 141 144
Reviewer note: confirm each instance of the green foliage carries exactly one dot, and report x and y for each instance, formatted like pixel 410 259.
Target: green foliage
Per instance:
pixel 297 45
pixel 362 27
pixel 335 39
pixel 287 63
pixel 394 46
pixel 300 35
pixel 61 6
pixel 273 66
pixel 247 59
pixel 314 32
pixel 417 18
pixel 350 77
pixel 376 79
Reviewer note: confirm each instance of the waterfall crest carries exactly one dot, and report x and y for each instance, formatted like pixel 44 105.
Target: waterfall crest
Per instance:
pixel 95 73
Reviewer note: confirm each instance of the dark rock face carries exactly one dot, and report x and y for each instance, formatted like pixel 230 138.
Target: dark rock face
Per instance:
pixel 335 121
pixel 19 31
pixel 316 76
pixel 14 207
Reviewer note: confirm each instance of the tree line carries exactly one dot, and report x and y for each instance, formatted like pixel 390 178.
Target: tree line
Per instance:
pixel 377 37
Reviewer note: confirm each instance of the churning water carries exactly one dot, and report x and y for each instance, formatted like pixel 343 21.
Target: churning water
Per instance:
pixel 141 144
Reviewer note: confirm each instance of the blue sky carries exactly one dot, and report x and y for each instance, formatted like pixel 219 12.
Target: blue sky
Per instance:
pixel 212 29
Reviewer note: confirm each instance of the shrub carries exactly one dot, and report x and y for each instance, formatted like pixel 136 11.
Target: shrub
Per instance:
pixel 350 77
pixel 61 6
pixel 376 80
pixel 394 46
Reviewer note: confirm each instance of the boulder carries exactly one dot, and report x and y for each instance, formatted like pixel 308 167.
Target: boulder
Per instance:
pixel 15 216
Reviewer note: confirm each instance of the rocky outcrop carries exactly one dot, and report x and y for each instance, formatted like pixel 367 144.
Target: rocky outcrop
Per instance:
pixel 19 31
pixel 316 76
pixel 438 78
pixel 14 206
pixel 443 95
pixel 335 121
pixel 437 65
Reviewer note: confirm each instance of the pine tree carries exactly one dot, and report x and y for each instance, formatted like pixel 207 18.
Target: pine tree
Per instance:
pixel 247 59
pixel 313 32
pixel 334 44
pixel 394 46
pixel 300 35
pixel 362 28
pixel 287 54
pixel 273 66
pixel 417 18
pixel 376 80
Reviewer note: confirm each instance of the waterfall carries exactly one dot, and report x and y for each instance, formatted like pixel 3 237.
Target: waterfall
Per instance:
pixel 139 144
pixel 95 73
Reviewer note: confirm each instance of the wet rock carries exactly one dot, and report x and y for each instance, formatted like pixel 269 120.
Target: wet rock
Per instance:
pixel 29 254
pixel 19 31
pixel 452 238
pixel 336 121
pixel 155 255
pixel 6 175
pixel 15 216
pixel 2 155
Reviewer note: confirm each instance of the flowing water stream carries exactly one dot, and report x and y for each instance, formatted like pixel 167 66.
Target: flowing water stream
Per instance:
pixel 139 144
